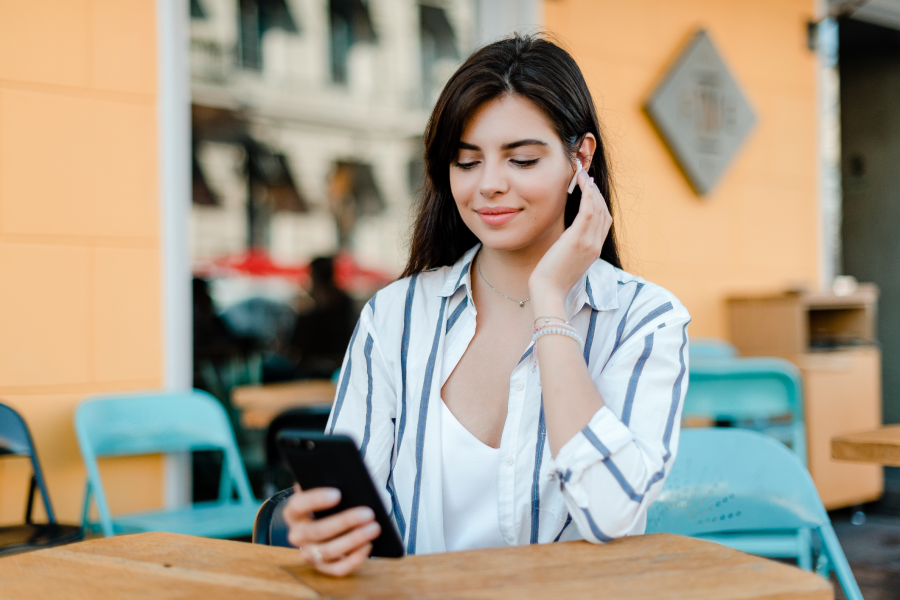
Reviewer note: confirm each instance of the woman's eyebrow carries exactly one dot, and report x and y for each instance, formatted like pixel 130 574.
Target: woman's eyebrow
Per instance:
pixel 521 143
pixel 509 146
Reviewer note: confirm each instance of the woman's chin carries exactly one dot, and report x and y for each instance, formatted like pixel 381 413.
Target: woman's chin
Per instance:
pixel 505 241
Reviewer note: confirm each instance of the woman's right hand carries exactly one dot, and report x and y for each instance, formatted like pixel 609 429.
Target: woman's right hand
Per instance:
pixel 334 545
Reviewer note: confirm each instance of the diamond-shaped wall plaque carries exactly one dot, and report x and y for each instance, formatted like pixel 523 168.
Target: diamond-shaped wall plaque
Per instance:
pixel 701 113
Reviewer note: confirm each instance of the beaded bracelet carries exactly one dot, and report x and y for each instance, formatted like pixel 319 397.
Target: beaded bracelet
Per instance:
pixel 547 321
pixel 564 325
pixel 556 330
pixel 541 331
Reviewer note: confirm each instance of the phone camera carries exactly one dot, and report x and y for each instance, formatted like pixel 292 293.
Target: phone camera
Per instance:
pixel 309 444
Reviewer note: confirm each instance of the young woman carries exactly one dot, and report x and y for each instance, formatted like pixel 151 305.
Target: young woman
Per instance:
pixel 513 387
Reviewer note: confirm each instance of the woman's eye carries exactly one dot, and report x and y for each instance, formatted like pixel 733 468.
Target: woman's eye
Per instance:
pixel 465 166
pixel 525 163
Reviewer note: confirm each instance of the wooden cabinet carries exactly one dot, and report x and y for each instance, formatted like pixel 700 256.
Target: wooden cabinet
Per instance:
pixel 831 339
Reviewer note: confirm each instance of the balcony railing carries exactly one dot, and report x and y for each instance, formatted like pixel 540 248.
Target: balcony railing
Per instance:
pixel 212 61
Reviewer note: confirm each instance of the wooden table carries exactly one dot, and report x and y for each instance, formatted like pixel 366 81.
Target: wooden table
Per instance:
pixel 162 565
pixel 881 446
pixel 259 404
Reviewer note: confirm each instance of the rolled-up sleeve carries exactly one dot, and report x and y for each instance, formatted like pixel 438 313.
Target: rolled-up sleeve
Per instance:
pixel 364 406
pixel 614 468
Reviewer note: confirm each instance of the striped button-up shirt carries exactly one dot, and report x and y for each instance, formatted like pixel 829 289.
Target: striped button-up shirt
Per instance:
pixel 411 336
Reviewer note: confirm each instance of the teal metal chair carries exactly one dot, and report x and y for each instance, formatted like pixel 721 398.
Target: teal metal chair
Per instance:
pixel 708 347
pixel 15 440
pixel 747 491
pixel 763 394
pixel 159 423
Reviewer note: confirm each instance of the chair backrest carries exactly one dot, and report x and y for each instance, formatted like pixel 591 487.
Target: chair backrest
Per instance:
pixel 704 347
pixel 156 423
pixel 753 389
pixel 727 479
pixel 16 439
pixel 152 423
pixel 269 527
pixel 735 480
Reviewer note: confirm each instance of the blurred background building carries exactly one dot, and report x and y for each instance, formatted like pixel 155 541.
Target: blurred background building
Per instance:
pixel 307 121
pixel 308 116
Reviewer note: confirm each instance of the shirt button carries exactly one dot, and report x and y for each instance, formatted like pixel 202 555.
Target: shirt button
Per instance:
pixel 510 539
pixel 509 460
pixel 520 386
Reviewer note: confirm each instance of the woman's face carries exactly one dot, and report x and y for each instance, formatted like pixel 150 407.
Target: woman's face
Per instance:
pixel 510 176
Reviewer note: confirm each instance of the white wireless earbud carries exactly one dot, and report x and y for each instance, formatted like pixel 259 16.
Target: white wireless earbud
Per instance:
pixel 578 170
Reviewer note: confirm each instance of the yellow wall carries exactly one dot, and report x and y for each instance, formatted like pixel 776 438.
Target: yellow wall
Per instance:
pixel 757 230
pixel 79 232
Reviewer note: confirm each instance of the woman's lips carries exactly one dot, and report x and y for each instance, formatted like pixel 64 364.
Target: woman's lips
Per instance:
pixel 497 216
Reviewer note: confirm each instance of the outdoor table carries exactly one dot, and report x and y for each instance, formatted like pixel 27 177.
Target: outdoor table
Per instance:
pixel 165 565
pixel 881 446
pixel 259 404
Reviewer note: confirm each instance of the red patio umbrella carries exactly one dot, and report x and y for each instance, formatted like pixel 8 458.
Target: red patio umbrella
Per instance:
pixel 256 262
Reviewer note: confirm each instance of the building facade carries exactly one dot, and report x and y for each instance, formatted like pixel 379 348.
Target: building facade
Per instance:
pixel 334 92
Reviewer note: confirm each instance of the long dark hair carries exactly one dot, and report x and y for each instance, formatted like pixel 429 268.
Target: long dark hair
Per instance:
pixel 525 65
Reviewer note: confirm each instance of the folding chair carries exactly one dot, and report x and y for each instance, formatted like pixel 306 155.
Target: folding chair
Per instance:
pixel 157 423
pixel 759 393
pixel 15 440
pixel 747 491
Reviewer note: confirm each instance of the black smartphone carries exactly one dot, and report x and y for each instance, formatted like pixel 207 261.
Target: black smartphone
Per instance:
pixel 319 460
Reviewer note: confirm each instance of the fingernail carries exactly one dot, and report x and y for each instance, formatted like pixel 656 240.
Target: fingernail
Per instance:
pixel 332 495
pixel 364 513
pixel 372 528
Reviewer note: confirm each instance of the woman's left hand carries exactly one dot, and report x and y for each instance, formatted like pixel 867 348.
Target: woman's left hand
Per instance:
pixel 573 253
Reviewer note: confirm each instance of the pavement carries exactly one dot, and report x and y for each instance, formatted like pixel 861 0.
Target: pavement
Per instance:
pixel 870 537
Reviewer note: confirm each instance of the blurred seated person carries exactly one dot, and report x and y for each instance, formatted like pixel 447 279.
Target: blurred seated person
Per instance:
pixel 321 335
pixel 217 346
pixel 213 340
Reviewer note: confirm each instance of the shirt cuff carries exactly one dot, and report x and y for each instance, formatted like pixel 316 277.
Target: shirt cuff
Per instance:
pixel 605 436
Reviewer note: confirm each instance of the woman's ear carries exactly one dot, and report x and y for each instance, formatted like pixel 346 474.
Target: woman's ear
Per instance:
pixel 585 153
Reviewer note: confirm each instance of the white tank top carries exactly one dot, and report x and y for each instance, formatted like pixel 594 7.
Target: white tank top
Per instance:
pixel 471 496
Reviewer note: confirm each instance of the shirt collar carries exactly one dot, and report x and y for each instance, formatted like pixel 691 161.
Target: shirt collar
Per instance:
pixel 459 274
pixel 597 288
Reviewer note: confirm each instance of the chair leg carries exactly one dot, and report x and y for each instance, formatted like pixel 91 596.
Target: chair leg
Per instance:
pixel 832 546
pixel 32 487
pixel 86 509
pixel 823 567
pixel 804 549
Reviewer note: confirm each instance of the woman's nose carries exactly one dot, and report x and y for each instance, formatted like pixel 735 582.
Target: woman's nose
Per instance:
pixel 493 181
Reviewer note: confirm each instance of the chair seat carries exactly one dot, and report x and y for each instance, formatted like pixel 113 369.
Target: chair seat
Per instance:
pixel 206 519
pixel 22 538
